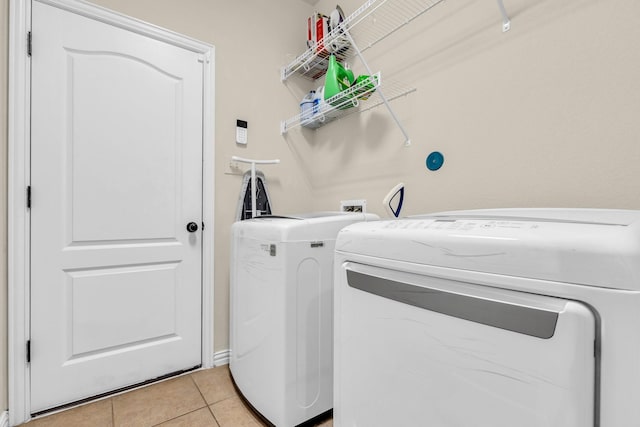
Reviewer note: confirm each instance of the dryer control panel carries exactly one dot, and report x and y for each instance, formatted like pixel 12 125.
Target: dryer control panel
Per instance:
pixel 460 224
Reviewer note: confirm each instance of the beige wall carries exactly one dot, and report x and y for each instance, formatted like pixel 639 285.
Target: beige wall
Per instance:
pixel 544 115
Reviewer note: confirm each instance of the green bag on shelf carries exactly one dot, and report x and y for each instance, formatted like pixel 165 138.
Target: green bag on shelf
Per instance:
pixel 337 80
pixel 366 86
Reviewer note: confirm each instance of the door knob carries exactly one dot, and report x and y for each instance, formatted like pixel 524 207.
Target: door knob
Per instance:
pixel 192 227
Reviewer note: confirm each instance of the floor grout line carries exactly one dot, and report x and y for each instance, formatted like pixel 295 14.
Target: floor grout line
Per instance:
pixel 195 383
pixel 113 413
pixel 214 416
pixel 175 418
pixel 207 405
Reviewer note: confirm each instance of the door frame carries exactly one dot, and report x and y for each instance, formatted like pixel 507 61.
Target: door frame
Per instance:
pixel 19 172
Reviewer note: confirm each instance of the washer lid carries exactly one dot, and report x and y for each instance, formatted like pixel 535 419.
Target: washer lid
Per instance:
pixel 592 247
pixel 299 227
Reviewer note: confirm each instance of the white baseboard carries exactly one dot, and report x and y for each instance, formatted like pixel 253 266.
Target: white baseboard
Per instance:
pixel 4 419
pixel 220 358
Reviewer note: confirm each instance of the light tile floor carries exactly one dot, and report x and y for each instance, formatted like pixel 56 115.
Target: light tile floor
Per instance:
pixel 204 398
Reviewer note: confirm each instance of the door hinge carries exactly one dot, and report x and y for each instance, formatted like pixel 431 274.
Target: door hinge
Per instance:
pixel 29 43
pixel 203 226
pixel 29 197
pixel 29 351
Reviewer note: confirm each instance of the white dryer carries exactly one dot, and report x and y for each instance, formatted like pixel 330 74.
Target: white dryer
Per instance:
pixel 489 318
pixel 281 320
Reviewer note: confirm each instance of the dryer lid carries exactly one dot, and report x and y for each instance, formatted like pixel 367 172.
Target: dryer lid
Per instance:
pixel 592 247
pixel 585 216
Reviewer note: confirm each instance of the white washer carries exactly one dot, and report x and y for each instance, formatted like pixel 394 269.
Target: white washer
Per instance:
pixel 489 318
pixel 282 313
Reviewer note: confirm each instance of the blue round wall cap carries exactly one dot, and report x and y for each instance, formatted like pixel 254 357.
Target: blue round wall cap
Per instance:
pixel 434 161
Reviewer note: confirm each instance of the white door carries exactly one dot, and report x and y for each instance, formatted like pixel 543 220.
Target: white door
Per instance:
pixel 116 164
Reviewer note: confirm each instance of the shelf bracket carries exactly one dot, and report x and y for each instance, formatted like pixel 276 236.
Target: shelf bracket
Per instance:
pixel 506 23
pixel 407 141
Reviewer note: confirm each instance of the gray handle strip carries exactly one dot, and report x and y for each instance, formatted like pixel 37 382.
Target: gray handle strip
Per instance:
pixel 516 318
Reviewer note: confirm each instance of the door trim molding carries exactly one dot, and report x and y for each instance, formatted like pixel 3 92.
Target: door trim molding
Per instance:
pixel 19 155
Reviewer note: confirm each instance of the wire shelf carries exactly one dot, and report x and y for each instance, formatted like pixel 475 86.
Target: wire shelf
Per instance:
pixel 384 17
pixel 360 97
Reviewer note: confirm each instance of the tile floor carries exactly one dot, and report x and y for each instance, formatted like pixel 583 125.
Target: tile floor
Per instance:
pixel 204 398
